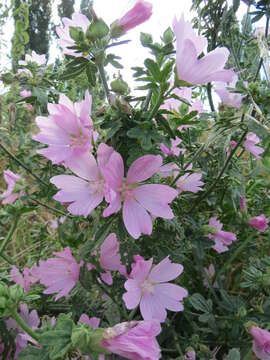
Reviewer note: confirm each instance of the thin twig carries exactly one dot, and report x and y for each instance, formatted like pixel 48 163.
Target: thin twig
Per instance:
pixel 208 192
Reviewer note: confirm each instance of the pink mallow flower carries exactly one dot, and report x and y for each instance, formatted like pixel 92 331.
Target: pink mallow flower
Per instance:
pixel 261 342
pixel 25 93
pixel 32 320
pixel 149 287
pixel 135 340
pixel 65 41
pixel 68 130
pixel 259 223
pixel 138 200
pixel 229 98
pixel 191 69
pixel 222 238
pixel 250 145
pixel 232 146
pixel 174 104
pixel 190 182
pixel 110 259
pixel 243 204
pixel 140 13
pixel 34 58
pixel 174 150
pixel 87 190
pixel 59 274
pixel 24 280
pixel 11 195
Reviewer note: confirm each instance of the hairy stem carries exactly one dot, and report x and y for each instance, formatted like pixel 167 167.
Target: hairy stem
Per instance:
pixel 261 60
pixel 104 80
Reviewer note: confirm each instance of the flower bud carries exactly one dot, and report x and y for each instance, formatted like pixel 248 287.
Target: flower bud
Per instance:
pixel 119 86
pixel 140 12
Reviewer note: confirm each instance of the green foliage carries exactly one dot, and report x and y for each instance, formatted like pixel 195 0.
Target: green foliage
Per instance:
pixel 39 25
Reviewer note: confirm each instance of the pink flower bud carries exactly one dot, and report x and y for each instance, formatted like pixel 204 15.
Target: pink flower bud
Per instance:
pixel 140 12
pixel 259 222
pixel 25 93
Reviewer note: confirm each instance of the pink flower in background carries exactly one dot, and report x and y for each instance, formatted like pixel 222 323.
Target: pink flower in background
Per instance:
pixel 25 93
pixel 138 200
pixel 55 222
pixel 135 340
pixel 174 150
pixel 32 320
pixel 209 274
pixel 259 31
pixel 261 342
pixel 93 321
pixel 168 170
pixel 259 223
pixel 140 13
pixel 10 195
pixel 24 280
pixel 59 274
pixel 231 99
pixel 34 58
pixel 150 288
pixel 190 182
pixel 87 190
pixel 67 130
pixel 65 41
pixel 190 355
pixel 250 145
pixel 232 145
pixel 222 238
pixel 191 69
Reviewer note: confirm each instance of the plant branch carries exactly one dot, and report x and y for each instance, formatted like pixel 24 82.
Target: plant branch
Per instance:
pixel 19 162
pixel 104 80
pixel 9 235
pixel 48 206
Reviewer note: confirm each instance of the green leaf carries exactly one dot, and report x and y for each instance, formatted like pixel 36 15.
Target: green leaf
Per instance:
pixel 33 353
pixel 234 354
pixel 199 303
pixel 146 39
pixel 76 34
pixel 257 17
pixel 153 69
pixel 168 35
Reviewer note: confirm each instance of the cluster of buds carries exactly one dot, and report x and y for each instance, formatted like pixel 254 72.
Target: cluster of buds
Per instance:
pixel 10 297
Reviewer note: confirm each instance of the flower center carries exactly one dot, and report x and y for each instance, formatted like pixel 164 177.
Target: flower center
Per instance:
pixel 148 287
pixel 78 140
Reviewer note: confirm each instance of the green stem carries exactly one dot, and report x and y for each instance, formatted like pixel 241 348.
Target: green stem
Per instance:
pixel 238 251
pixel 210 98
pixel 22 164
pixel 9 235
pixel 208 192
pixel 133 312
pixel 23 325
pixel 48 207
pixel 104 80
